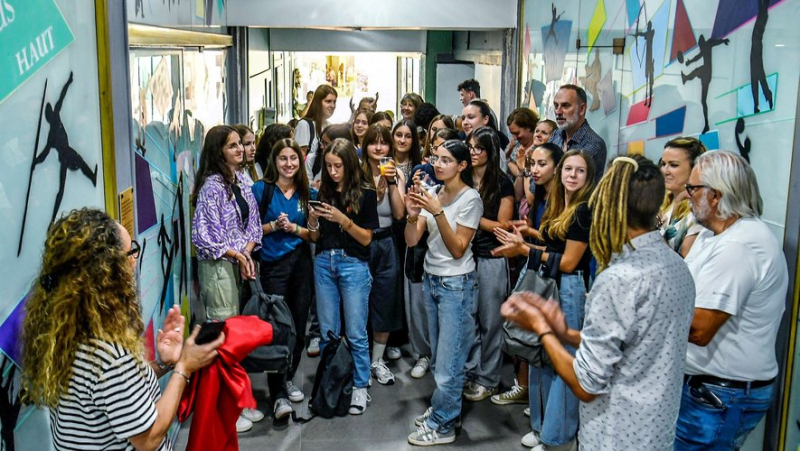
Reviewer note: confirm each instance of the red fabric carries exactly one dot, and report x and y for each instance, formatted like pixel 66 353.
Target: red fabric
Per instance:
pixel 218 393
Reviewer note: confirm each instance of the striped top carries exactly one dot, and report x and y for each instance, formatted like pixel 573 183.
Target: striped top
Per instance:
pixel 110 398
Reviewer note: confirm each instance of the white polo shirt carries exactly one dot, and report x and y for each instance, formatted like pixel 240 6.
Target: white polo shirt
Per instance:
pixel 741 271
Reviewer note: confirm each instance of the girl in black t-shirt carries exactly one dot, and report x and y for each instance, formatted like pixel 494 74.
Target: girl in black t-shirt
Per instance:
pixel 497 195
pixel 342 227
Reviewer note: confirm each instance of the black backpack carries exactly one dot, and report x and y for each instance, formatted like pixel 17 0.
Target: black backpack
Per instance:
pixel 333 382
pixel 276 356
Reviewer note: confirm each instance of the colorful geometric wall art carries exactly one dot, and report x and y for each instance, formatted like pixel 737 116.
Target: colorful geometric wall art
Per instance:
pixel 710 139
pixel 606 89
pixel 671 123
pixel 732 14
pixel 639 112
pixel 639 48
pixel 683 38
pixel 744 98
pixel 145 201
pixel 633 11
pixel 556 41
pixel 596 24
pixel 636 148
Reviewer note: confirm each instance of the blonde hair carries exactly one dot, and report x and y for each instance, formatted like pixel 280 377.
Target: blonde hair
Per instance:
pixel 557 216
pixel 86 290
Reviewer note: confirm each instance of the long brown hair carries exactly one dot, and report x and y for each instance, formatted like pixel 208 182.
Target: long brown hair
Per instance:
pixel 557 216
pixel 315 112
pixel 300 179
pixel 354 182
pixel 248 166
pixel 85 290
pixel 212 160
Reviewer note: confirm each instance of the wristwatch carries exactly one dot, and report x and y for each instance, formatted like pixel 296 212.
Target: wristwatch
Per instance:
pixel 163 366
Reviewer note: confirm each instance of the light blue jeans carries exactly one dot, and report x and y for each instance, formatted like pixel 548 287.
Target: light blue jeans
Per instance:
pixel 448 301
pixel 702 426
pixel 340 278
pixel 554 408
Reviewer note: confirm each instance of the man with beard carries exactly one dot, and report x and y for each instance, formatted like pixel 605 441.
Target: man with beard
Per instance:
pixel 574 131
pixel 741 279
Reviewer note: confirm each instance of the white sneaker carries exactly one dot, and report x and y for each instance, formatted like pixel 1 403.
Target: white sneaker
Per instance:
pixel 313 347
pixel 243 424
pixel 530 440
pixel 359 400
pixel 420 419
pixel 282 408
pixel 393 353
pixel 294 393
pixel 421 368
pixel 425 436
pixel 382 373
pixel 254 415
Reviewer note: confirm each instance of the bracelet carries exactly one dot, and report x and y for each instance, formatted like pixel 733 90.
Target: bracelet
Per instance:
pixel 549 332
pixel 408 218
pixel 312 228
pixel 348 226
pixel 438 214
pixel 163 366
pixel 272 226
pixel 182 374
pixel 296 229
pixel 391 182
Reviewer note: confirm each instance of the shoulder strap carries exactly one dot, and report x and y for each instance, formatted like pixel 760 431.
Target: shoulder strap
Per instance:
pixel 534 259
pixel 266 198
pixel 312 132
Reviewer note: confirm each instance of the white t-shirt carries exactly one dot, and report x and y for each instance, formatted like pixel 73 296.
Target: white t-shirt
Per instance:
pixel 741 271
pixel 466 209
pixel 302 134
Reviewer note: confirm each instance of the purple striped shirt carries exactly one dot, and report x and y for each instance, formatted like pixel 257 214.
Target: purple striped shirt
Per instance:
pixel 217 224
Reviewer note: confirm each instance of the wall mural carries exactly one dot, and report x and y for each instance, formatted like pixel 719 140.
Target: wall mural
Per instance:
pixel 709 69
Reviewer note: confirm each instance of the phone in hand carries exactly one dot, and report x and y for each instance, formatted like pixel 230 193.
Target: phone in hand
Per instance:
pixel 316 204
pixel 209 331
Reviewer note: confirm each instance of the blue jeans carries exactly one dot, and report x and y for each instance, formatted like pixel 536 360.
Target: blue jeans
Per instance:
pixel 702 426
pixel 448 301
pixel 339 278
pixel 554 408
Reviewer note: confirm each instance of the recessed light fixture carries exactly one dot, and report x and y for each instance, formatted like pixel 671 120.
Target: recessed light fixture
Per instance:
pixel 780 45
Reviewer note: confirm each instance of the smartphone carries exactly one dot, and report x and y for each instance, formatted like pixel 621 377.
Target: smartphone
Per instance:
pixel 315 203
pixel 209 331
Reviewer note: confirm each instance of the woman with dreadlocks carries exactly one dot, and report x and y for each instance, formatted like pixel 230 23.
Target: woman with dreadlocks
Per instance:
pixel 628 368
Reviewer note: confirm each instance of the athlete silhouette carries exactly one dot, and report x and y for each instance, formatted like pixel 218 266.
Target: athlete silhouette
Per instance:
pixel 57 139
pixel 757 74
pixel 744 147
pixel 552 30
pixel 649 65
pixel 703 72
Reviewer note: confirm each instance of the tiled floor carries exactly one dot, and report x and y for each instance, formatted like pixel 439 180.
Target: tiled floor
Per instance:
pixel 387 421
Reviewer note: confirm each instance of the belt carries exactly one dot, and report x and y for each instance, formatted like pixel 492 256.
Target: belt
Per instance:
pixel 727 383
pixel 383 232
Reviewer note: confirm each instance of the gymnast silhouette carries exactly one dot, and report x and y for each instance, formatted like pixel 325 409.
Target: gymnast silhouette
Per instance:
pixel 757 74
pixel 744 148
pixel 68 157
pixel 649 67
pixel 552 30
pixel 703 72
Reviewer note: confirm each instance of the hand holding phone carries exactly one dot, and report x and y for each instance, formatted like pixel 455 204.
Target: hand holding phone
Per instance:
pixel 209 331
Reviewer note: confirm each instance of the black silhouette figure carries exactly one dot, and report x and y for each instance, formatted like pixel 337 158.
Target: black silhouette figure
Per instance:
pixel 68 157
pixel 757 74
pixel 703 72
pixel 592 79
pixel 649 65
pixel 167 255
pixel 139 8
pixel 9 403
pixel 552 30
pixel 171 246
pixel 744 148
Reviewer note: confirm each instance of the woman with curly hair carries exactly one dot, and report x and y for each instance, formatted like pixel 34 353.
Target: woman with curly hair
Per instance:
pixel 83 356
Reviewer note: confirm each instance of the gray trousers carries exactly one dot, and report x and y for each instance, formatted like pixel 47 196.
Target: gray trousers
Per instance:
pixel 486 357
pixel 417 318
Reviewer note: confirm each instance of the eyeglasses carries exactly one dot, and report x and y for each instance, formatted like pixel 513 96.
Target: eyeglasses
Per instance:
pixel 135 249
pixel 476 150
pixel 444 160
pixel 691 188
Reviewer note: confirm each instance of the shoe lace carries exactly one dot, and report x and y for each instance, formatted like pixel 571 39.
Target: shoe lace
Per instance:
pixel 515 391
pixel 362 396
pixel 427 434
pixel 423 361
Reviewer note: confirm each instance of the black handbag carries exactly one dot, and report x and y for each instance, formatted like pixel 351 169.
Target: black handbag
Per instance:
pixel 521 343
pixel 277 356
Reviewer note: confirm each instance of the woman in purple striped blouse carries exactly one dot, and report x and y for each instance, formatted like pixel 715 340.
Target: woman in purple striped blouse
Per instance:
pixel 226 227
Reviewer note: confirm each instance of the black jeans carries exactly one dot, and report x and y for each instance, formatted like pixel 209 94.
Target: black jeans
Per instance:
pixel 291 277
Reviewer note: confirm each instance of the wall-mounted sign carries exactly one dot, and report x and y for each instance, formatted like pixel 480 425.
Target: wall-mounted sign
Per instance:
pixel 33 32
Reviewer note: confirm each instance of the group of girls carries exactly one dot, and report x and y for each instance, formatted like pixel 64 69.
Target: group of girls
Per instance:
pixel 401 227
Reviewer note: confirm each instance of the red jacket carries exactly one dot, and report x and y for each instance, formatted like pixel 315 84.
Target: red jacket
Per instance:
pixel 219 392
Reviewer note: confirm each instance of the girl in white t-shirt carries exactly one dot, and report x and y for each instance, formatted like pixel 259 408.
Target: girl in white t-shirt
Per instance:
pixel 322 107
pixel 451 216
